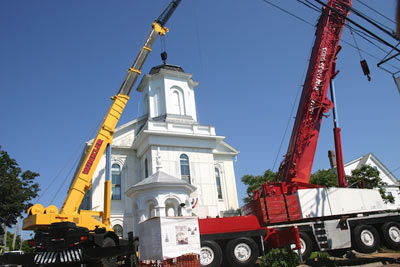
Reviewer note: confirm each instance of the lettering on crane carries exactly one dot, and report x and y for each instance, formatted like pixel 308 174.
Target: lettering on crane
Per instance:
pixel 318 77
pixel 92 157
pixel 321 68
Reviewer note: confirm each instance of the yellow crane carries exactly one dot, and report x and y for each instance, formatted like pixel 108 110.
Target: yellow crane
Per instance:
pixel 62 231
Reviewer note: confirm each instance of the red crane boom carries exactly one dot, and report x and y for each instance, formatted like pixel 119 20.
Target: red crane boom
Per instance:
pixel 298 161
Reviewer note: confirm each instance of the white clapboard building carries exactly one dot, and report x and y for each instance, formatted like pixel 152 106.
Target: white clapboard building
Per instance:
pixel 188 151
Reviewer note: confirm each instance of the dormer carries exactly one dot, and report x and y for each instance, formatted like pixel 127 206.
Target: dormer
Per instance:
pixel 168 94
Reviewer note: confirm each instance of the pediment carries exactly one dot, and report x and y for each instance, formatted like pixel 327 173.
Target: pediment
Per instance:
pixel 371 159
pixel 124 135
pixel 224 148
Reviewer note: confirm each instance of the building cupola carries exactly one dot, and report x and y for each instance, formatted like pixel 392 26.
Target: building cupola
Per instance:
pixel 168 94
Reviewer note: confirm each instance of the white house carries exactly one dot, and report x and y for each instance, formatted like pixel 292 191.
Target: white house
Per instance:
pixel 393 183
pixel 188 150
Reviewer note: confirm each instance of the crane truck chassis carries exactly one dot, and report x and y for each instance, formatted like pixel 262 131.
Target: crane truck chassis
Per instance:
pixel 293 211
pixel 245 238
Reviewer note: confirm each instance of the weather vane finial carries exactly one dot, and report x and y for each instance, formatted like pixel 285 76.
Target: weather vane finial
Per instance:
pixel 164 56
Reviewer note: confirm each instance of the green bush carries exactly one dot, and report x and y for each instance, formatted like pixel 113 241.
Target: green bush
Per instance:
pixel 280 257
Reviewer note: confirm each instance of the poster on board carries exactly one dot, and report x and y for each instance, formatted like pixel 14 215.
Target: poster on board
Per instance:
pixel 162 238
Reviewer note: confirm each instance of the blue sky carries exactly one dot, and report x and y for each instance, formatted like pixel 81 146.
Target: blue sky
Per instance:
pixel 60 61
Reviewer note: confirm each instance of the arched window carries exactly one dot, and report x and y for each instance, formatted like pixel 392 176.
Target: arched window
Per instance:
pixel 116 182
pixel 157 97
pixel 218 181
pixel 177 101
pixel 152 210
pixel 118 230
pixel 171 207
pixel 185 170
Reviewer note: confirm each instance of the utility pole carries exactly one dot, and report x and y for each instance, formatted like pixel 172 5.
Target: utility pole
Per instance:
pixel 15 234
pixel 5 237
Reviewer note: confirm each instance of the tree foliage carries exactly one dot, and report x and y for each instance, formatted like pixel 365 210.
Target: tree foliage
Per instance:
pixel 255 181
pixel 280 257
pixel 325 178
pixel 368 177
pixel 25 247
pixel 364 177
pixel 17 188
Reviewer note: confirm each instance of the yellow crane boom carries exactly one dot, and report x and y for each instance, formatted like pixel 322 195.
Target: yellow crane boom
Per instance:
pixel 40 217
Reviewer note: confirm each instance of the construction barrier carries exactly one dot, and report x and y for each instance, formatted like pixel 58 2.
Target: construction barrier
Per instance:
pixel 187 260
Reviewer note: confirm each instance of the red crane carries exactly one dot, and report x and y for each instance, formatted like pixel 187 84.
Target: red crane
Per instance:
pixel 295 170
pixel 314 103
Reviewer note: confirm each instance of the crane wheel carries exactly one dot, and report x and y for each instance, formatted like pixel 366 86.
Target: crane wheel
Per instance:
pixel 391 235
pixel 306 245
pixel 242 252
pixel 210 254
pixel 365 239
pixel 108 262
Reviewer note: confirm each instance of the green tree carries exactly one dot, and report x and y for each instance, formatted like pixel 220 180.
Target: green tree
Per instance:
pixel 16 189
pixel 25 247
pixel 368 177
pixel 280 257
pixel 325 178
pixel 253 182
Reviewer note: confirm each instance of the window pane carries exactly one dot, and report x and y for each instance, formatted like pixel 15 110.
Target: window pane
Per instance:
pixel 185 170
pixel 146 168
pixel 218 181
pixel 115 182
pixel 116 179
pixel 116 193
pixel 115 168
pixel 118 230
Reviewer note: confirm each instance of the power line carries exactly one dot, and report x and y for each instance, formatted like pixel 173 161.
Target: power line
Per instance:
pixel 377 12
pixel 289 13
pixel 308 4
pixel 362 34
pixel 370 20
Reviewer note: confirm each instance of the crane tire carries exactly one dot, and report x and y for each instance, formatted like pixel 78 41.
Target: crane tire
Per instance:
pixel 108 262
pixel 391 235
pixel 210 254
pixel 306 245
pixel 241 251
pixel 365 238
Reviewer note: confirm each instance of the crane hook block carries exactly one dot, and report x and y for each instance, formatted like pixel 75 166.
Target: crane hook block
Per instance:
pixel 365 68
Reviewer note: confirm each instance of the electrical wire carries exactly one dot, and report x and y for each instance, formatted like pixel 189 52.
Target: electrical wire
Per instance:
pixel 310 5
pixel 289 13
pixel 356 31
pixel 290 117
pixel 398 168
pixel 363 35
pixel 370 20
pixel 199 46
pixel 63 183
pixel 68 175
pixel 355 42
pixel 377 12
pixel 59 172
